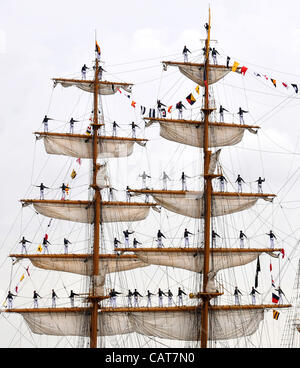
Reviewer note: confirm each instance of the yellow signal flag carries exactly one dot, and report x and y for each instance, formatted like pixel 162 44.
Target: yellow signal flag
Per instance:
pixel 235 65
pixel 22 277
pixel 39 248
pixel 73 174
pixel 275 314
pixel 197 89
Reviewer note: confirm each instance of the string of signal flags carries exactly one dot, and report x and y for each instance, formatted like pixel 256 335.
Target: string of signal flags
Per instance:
pixel 191 99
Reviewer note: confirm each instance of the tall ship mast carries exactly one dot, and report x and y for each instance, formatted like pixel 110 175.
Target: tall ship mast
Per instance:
pixel 204 320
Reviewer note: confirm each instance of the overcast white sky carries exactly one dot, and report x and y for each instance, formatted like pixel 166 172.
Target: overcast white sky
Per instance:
pixel 40 40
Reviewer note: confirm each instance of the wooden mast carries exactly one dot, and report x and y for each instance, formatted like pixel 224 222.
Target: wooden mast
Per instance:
pixel 207 197
pixel 97 203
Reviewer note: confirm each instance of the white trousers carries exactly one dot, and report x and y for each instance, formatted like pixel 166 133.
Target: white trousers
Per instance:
pixel 160 301
pixel 149 302
pixel 180 301
pixel 186 242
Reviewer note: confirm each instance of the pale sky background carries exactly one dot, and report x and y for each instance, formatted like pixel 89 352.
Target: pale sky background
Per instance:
pixel 42 40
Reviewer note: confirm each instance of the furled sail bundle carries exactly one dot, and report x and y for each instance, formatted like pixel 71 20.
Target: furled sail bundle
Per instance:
pixel 196 72
pixel 83 211
pixel 171 324
pixel 81 264
pixel 192 259
pixel 191 203
pixel 191 132
pixel 105 87
pixel 102 176
pixel 80 145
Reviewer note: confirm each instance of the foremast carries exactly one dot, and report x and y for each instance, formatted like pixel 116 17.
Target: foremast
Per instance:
pixel 207 199
pixel 94 298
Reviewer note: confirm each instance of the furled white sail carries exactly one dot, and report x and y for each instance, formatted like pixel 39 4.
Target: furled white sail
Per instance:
pixel 82 145
pixel 174 325
pixel 102 178
pixel 104 88
pixel 195 261
pixel 84 265
pixel 219 135
pixel 83 211
pixel 191 203
pixel 195 72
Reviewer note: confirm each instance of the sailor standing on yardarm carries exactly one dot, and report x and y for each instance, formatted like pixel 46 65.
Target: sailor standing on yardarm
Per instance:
pixel 23 242
pixel 241 113
pixel 135 243
pixel 170 296
pixel 54 296
pixel 222 180
pixel 45 244
pixel 186 238
pixel 42 187
pixel 133 126
pixel 164 179
pixel 160 300
pixel 129 298
pixel 114 132
pixel 10 299
pixel 259 184
pixel 149 302
pixel 236 295
pixel 72 295
pixel 214 236
pixel 159 240
pixel 214 53
pixel 144 177
pixel 179 107
pixel 35 299
pixel 185 55
pixel 63 190
pixel 221 112
pixel 159 108
pixel 126 236
pixel 180 300
pixel 72 121
pixel 83 71
pixel 183 181
pixel 272 237
pixel 242 236
pixel 239 180
pixel 66 242
pixel 252 293
pixel 136 295
pixel 45 122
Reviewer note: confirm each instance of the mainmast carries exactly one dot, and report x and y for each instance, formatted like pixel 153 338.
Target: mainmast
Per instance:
pixel 97 203
pixel 207 199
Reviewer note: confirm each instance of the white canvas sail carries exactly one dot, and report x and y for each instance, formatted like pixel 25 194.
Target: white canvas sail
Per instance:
pixel 194 261
pixel 195 72
pixel 104 88
pixel 82 146
pixel 83 211
pixel 191 203
pixel 83 265
pixel 219 134
pixel 174 325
